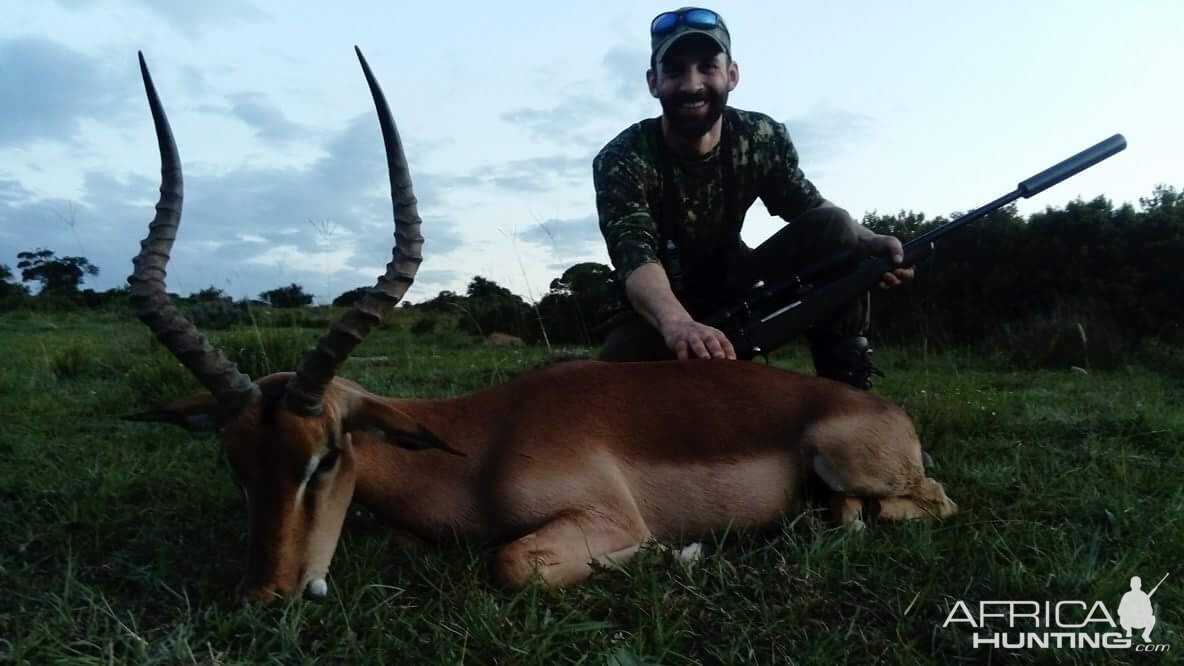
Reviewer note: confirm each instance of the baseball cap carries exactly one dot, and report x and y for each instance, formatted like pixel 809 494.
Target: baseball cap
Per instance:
pixel 669 27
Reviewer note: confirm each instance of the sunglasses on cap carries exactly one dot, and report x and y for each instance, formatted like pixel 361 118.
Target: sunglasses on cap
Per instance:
pixel 695 17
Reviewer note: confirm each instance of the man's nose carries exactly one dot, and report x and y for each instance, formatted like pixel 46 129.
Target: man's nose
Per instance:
pixel 690 82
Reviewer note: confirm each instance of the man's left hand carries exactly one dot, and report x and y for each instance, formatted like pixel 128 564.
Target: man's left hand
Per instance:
pixel 888 246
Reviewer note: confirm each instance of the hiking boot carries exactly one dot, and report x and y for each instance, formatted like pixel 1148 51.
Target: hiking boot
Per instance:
pixel 846 360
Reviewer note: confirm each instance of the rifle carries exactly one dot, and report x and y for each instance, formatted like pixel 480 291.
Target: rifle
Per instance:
pixel 768 316
pixel 1161 580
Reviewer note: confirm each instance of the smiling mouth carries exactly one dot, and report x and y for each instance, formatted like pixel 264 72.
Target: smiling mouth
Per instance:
pixel 693 106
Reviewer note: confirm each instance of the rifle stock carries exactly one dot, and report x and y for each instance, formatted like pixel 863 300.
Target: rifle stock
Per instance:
pixel 769 316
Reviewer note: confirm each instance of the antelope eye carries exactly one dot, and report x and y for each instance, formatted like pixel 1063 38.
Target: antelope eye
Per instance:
pixel 327 461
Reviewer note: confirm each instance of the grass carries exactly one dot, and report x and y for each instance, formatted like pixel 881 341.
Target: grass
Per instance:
pixel 122 542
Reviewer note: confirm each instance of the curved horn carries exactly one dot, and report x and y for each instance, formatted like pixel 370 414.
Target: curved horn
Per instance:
pixel 232 388
pixel 320 364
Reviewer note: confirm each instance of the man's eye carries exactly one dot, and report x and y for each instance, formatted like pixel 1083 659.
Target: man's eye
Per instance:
pixel 327 462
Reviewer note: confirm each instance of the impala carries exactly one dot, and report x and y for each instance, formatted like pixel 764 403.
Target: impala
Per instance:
pixel 571 465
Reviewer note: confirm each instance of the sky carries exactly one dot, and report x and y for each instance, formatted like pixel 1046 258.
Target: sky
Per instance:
pixel 928 106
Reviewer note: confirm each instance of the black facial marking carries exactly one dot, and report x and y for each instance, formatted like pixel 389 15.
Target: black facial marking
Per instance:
pixel 327 461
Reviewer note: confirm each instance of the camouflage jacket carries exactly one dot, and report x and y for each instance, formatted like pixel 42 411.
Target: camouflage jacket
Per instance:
pixel 627 175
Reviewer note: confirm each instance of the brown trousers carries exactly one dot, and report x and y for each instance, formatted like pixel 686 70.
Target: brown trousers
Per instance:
pixel 812 236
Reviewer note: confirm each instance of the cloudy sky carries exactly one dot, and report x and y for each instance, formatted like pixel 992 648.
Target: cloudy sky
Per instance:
pixel 926 106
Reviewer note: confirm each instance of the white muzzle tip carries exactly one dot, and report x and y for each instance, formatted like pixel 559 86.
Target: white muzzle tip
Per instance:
pixel 317 588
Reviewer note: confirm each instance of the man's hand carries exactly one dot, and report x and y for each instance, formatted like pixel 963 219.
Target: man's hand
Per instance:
pixel 889 246
pixel 688 338
pixel 649 291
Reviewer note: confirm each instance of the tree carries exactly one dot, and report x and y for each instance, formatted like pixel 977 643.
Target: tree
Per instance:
pixel 291 296
pixel 445 301
pixel 209 294
pixel 56 275
pixel 491 308
pixel 11 293
pixel 577 298
pixel 482 289
pixel 586 281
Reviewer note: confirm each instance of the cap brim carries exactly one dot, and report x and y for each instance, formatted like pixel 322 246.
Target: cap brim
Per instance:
pixel 683 34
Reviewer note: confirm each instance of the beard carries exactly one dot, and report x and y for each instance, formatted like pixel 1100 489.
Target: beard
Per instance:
pixel 693 123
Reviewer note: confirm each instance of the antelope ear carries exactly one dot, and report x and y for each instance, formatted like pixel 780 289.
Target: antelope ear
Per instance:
pixel 394 426
pixel 197 414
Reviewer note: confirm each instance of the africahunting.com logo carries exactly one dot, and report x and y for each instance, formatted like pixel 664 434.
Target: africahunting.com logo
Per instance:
pixel 1063 624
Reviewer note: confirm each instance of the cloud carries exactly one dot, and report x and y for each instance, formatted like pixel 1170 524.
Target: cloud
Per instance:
pixel 626 67
pixel 245 230
pixel 189 18
pixel 566 123
pixel 535 174
pixel 426 278
pixel 192 18
pixel 12 191
pixel 550 168
pixel 567 239
pixel 268 122
pixel 824 132
pixel 193 80
pixel 50 89
pixel 586 113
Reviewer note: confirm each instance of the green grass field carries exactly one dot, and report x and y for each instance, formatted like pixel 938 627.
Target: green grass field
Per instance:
pixel 122 542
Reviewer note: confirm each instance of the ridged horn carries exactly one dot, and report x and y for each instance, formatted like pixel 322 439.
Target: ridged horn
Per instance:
pixel 233 389
pixel 320 364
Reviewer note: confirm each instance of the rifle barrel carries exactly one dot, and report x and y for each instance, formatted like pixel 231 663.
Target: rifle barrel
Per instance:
pixel 919 247
pixel 1076 164
pixel 1161 580
pixel 765 319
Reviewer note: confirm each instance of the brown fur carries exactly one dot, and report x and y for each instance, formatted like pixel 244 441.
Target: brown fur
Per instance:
pixel 571 464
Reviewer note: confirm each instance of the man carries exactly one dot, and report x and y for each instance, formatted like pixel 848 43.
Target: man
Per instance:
pixel 671 193
pixel 1135 612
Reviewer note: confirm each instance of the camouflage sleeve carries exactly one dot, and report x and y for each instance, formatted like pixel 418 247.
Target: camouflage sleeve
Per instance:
pixel 628 227
pixel 786 191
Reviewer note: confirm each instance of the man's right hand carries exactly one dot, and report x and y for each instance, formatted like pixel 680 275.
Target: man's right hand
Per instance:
pixel 688 338
pixel 649 291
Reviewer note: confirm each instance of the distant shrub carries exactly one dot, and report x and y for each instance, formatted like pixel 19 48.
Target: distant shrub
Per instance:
pixel 291 318
pixel 216 315
pixel 1062 339
pixel 424 325
pixel 300 319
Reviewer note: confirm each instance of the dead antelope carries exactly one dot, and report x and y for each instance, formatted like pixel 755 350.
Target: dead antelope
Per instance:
pixel 570 464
